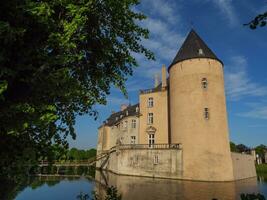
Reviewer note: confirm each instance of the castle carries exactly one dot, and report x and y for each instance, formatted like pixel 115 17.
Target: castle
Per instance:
pixel 179 129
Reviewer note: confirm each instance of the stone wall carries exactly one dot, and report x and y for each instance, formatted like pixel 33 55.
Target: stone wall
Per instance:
pixel 243 166
pixel 162 163
pixel 166 163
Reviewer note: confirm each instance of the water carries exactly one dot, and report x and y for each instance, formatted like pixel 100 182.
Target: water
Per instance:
pixel 135 188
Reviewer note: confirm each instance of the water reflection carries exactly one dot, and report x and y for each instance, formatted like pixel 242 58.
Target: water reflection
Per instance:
pixel 67 187
pixel 133 188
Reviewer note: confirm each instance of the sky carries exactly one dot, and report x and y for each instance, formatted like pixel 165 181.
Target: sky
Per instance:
pixel 220 24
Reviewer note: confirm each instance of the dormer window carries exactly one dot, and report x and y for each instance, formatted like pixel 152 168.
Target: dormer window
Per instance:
pixel 204 83
pixel 200 52
pixel 117 118
pixel 127 113
pixel 137 109
pixel 121 116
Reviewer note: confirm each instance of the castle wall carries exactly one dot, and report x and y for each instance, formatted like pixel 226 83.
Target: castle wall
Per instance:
pixel 160 116
pixel 243 166
pixel 206 151
pixel 104 139
pixel 108 136
pixel 142 162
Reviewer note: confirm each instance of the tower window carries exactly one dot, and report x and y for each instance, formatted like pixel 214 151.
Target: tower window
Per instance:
pixel 150 102
pixel 204 83
pixel 200 52
pixel 206 113
pixel 150 118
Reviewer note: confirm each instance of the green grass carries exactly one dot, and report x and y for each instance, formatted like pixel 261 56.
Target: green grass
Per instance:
pixel 262 168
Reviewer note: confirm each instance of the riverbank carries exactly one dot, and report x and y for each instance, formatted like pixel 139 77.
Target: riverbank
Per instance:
pixel 262 168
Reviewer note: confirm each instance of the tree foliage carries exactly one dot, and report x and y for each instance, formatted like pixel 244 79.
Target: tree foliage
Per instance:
pixel 233 147
pixel 259 21
pixel 58 58
pixel 76 154
pixel 260 150
pixel 240 148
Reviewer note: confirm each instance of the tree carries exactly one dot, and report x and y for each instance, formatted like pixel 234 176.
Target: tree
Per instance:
pixel 57 60
pixel 260 150
pixel 259 20
pixel 233 147
pixel 242 148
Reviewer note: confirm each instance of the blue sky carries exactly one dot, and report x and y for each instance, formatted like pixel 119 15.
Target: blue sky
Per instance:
pixel 220 25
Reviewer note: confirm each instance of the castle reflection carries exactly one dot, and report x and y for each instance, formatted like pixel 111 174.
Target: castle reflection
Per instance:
pixel 135 188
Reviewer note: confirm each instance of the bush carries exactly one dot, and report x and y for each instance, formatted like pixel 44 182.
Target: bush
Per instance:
pixel 262 168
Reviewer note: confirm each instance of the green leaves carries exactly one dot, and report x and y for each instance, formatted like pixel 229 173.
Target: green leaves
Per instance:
pixel 259 20
pixel 3 87
pixel 59 58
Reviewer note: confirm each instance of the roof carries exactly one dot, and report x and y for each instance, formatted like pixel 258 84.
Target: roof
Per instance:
pixel 116 117
pixel 193 47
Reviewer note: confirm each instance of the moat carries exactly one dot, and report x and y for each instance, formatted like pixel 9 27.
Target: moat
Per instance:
pixel 133 188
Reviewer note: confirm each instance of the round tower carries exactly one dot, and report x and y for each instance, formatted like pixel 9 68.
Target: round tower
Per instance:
pixel 198 116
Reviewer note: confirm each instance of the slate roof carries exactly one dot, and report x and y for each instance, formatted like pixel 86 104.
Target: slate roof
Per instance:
pixel 116 117
pixel 190 49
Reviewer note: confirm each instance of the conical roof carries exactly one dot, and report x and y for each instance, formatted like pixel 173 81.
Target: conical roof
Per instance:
pixel 193 47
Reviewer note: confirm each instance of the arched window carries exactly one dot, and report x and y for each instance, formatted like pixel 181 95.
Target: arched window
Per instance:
pixel 206 113
pixel 204 83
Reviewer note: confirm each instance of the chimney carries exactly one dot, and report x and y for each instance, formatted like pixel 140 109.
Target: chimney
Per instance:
pixel 163 74
pixel 123 107
pixel 156 80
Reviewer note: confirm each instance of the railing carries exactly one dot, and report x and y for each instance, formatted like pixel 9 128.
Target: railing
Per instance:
pixel 67 162
pixel 150 146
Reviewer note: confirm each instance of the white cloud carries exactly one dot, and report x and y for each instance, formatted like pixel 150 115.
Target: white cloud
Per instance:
pixel 238 83
pixel 164 41
pixel 259 112
pixel 226 9
pixel 162 8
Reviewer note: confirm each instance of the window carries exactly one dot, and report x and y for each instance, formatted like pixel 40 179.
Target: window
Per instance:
pixel 150 102
pixel 151 140
pixel 200 51
pixel 204 83
pixel 133 123
pixel 133 139
pixel 125 124
pixel 156 159
pixel 206 113
pixel 150 118
pixel 137 109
